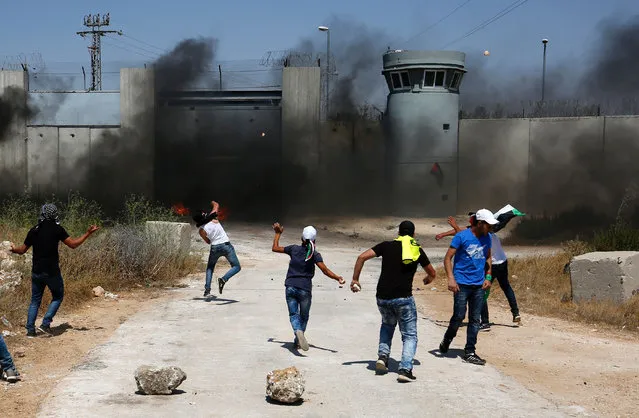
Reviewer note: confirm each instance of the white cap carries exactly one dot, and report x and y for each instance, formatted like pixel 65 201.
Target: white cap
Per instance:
pixel 486 216
pixel 309 233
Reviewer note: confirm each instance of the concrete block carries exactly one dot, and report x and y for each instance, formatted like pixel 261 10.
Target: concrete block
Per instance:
pixel 605 276
pixel 176 234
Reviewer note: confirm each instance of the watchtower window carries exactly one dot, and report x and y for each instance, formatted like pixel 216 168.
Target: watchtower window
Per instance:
pixel 401 80
pixel 397 82
pixel 454 84
pixel 434 78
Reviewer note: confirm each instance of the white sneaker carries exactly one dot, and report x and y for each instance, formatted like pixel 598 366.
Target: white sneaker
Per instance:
pixel 301 340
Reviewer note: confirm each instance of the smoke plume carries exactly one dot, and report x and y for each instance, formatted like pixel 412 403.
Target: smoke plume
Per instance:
pixel 14 106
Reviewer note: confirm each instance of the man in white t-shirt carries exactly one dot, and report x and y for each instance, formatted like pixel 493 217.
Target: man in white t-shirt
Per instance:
pixel 212 232
pixel 500 273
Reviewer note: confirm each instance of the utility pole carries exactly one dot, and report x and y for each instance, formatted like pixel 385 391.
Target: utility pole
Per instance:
pixel 94 23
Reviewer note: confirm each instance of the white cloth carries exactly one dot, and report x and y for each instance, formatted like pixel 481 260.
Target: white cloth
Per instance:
pixel 309 233
pixel 498 254
pixel 215 233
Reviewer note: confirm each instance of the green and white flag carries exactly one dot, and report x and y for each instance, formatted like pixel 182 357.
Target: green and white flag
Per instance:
pixel 504 215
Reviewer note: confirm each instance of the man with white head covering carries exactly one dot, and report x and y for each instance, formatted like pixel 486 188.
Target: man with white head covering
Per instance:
pixel 44 238
pixel 468 279
pixel 301 270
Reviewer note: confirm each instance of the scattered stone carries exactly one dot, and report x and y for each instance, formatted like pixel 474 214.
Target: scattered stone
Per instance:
pixel 98 292
pixel 6 333
pixel 110 295
pixel 9 280
pixel 433 288
pixel 7 264
pixel 286 385
pixel 152 380
pixel 6 322
pixel 18 353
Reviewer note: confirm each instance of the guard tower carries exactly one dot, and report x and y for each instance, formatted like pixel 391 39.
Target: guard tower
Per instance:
pixel 422 127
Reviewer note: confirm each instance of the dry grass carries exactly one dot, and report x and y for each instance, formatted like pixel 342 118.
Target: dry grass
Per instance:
pixel 117 258
pixel 542 288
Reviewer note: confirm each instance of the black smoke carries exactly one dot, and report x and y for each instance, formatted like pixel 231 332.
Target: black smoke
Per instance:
pixel 14 108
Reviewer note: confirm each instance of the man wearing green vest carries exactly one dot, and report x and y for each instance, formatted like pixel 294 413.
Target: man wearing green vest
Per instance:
pixel 395 295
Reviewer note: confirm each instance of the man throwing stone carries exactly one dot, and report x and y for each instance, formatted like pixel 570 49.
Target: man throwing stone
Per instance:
pixel 395 295
pixel 468 279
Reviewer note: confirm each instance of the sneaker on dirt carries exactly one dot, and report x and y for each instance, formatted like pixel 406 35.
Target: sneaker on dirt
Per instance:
pixel 405 376
pixel 484 327
pixel 473 358
pixel 516 318
pixel 10 375
pixel 221 284
pixel 46 330
pixel 444 345
pixel 31 334
pixel 381 367
pixel 207 292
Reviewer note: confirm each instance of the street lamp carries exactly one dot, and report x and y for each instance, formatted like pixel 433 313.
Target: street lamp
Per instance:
pixel 543 75
pixel 328 66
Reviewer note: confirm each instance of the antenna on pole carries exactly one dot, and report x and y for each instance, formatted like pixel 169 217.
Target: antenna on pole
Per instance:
pixel 94 23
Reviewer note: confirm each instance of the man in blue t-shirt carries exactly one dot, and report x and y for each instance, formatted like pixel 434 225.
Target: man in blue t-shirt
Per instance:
pixel 471 249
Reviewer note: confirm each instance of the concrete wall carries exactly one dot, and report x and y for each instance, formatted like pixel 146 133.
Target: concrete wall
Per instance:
pixel 547 166
pixel 13 148
pixel 59 158
pixel 300 116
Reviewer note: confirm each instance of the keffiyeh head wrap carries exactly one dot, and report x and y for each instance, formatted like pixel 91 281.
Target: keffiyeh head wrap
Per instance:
pixel 49 212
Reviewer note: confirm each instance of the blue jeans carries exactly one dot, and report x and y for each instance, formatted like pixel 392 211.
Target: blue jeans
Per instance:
pixel 404 312
pixel 227 251
pixel 473 296
pixel 39 282
pixel 6 362
pixel 299 307
pixel 500 273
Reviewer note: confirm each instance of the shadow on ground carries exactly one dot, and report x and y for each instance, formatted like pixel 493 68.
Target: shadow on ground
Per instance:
pixel 216 299
pixel 393 365
pixel 274 402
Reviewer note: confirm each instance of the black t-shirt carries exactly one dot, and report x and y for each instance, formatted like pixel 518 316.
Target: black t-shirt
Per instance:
pixel 396 278
pixel 44 238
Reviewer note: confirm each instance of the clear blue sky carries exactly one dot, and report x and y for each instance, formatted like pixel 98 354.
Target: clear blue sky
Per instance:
pixel 246 29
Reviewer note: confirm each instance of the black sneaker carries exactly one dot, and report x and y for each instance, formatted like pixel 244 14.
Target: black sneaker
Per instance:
pixel 484 327
pixel 473 358
pixel 10 375
pixel 381 367
pixel 444 345
pixel 207 292
pixel 46 329
pixel 516 318
pixel 221 284
pixel 31 334
pixel 405 376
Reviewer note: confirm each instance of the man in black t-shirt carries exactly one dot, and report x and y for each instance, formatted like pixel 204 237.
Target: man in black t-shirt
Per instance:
pixel 395 295
pixel 45 270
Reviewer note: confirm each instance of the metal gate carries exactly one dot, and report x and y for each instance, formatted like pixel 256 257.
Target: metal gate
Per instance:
pixel 222 145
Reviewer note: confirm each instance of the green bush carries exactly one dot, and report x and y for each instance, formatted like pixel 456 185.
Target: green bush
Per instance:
pixel 618 237
pixel 138 210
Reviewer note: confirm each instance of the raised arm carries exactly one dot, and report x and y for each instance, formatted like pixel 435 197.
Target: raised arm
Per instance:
pixel 215 206
pixel 328 273
pixel 277 248
pixel 445 234
pixel 74 243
